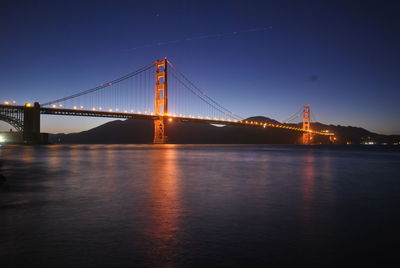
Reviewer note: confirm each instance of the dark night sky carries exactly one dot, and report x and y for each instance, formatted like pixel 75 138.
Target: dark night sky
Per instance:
pixel 342 58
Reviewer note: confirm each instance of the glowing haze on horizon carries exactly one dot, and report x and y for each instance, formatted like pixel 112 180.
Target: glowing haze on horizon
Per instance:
pixel 255 58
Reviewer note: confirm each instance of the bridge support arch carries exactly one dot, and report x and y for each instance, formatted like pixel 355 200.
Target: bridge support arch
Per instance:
pixel 161 102
pixel 13 116
pixel 25 120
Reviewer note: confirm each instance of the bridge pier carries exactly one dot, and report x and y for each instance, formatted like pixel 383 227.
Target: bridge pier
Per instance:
pixel 160 131
pixel 307 139
pixel 31 129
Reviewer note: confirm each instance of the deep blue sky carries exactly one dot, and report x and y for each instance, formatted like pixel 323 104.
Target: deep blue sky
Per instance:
pixel 342 58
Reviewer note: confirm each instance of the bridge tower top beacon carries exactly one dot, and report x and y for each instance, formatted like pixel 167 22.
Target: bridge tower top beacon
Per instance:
pixel 306 124
pixel 161 102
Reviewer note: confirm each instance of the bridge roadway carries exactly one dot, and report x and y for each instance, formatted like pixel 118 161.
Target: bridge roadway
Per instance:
pixel 91 113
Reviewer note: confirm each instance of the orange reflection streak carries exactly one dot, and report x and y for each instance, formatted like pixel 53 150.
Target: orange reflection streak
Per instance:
pixel 308 191
pixel 308 174
pixel 28 153
pixel 165 206
pixel 54 157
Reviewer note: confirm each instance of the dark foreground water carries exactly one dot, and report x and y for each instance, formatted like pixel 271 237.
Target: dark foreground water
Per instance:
pixel 198 206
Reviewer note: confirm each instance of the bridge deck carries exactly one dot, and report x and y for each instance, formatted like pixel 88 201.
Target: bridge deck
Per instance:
pixel 91 113
pixel 76 112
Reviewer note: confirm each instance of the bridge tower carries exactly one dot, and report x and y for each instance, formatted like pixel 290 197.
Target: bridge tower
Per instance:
pixel 306 124
pixel 161 102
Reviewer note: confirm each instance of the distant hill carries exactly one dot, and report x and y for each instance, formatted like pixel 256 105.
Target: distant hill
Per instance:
pixel 141 131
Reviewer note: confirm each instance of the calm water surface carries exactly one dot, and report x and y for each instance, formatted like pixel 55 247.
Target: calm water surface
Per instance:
pixel 197 206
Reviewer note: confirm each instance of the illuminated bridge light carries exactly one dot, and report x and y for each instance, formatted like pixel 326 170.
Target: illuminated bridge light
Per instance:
pixel 6 103
pixel 93 109
pixel 110 110
pixel 14 102
pixel 72 107
pixel 54 106
pixel 28 104
pixel 60 105
pixel 116 109
pixel 81 107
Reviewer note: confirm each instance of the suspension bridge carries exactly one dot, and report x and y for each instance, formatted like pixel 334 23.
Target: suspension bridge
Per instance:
pixel 158 92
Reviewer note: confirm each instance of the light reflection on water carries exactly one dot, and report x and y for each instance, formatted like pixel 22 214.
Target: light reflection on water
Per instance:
pixel 165 208
pixel 194 205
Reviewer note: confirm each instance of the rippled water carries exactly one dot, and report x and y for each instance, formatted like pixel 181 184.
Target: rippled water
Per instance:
pixel 197 206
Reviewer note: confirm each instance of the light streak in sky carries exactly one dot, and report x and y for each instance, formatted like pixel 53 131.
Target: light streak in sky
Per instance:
pixel 208 36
